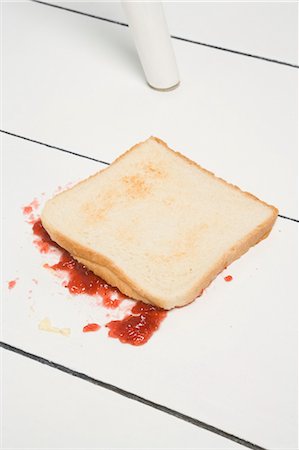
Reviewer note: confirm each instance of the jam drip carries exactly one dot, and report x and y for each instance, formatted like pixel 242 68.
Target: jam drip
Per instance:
pixel 138 327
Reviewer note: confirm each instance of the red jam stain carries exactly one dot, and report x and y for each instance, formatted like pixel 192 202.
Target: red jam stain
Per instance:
pixel 91 327
pixel 228 278
pixel 30 210
pixel 81 280
pixel 33 206
pixel 113 302
pixel 27 210
pixel 44 242
pixel 11 284
pixel 138 327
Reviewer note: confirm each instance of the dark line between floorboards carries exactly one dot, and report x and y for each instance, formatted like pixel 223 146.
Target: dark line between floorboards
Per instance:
pixel 116 22
pixel 191 41
pixel 89 157
pixel 53 146
pixel 131 396
pixel 236 52
pixel 288 218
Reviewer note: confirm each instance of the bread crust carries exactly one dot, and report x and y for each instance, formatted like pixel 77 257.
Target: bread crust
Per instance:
pixel 198 166
pixel 114 275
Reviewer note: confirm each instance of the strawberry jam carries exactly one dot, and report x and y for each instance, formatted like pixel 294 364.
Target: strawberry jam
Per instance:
pixel 30 211
pixel 228 278
pixel 11 284
pixel 44 242
pixel 138 327
pixel 91 327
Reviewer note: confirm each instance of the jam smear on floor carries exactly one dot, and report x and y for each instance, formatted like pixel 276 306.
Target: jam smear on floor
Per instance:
pixel 91 327
pixel 228 278
pixel 44 242
pixel 33 206
pixel 31 210
pixel 27 209
pixel 139 326
pixel 11 284
pixel 81 280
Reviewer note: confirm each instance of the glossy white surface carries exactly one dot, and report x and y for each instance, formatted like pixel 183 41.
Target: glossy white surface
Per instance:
pixel 76 82
pixel 59 411
pixel 228 359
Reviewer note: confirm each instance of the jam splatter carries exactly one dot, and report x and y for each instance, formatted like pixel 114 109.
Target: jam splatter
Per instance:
pixel 30 211
pixel 228 278
pixel 27 209
pixel 43 242
pixel 138 327
pixel 91 327
pixel 33 206
pixel 12 283
pixel 81 280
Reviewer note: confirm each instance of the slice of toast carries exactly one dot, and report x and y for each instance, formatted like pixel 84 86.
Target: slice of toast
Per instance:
pixel 157 225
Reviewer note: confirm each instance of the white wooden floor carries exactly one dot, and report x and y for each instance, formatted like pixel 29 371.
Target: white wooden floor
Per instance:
pixel 73 94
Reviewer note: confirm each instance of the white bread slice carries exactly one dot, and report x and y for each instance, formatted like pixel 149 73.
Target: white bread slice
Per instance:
pixel 157 225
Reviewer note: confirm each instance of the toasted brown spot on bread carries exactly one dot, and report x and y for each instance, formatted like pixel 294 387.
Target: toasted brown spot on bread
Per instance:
pixel 92 212
pixel 136 186
pixel 154 170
